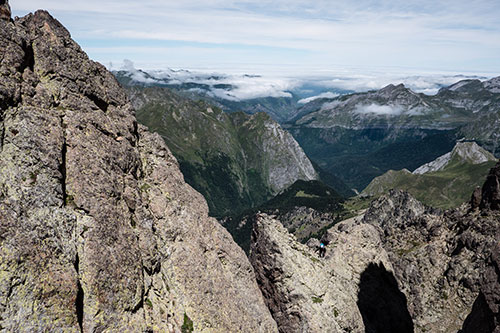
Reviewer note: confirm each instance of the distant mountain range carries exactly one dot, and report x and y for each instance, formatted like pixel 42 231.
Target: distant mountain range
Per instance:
pixel 360 136
pixel 354 136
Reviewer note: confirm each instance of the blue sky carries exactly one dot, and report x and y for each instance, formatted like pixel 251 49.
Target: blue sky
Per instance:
pixel 286 36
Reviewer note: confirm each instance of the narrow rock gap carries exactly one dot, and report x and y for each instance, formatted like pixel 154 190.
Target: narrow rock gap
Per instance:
pixel 80 295
pixel 101 104
pixel 383 307
pixel 29 57
pixel 2 132
pixel 62 166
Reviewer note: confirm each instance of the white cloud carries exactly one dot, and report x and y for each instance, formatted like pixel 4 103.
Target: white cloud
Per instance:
pixel 376 109
pixel 327 94
pixel 427 84
pixel 135 74
pixel 238 87
pixel 232 87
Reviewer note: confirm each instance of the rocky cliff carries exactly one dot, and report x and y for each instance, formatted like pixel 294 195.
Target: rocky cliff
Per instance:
pixel 338 293
pixel 98 230
pixel 400 263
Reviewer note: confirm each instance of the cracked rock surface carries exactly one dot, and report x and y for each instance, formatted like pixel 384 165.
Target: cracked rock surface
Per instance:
pixel 98 230
pixel 306 293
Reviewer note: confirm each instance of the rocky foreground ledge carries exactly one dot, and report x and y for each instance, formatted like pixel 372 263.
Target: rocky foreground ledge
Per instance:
pixel 98 230
pixel 401 267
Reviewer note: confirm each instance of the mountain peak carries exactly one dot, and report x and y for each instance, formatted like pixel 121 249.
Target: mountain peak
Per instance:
pixel 469 152
pixel 472 152
pixel 392 88
pixel 493 85
pixel 5 12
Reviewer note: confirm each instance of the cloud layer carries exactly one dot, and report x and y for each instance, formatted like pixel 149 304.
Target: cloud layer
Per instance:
pixel 238 87
pixel 327 94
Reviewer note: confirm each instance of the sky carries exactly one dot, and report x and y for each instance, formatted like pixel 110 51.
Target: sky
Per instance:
pixel 335 37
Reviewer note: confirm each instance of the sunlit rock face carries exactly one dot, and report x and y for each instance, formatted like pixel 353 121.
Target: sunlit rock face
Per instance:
pixel 98 230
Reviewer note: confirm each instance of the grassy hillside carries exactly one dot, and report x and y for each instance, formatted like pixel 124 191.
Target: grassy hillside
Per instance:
pixel 445 188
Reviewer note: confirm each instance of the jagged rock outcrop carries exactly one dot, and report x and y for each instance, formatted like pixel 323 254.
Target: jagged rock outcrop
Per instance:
pixel 306 293
pixel 445 264
pixel 485 314
pixel 438 259
pixel 98 230
pixel 5 12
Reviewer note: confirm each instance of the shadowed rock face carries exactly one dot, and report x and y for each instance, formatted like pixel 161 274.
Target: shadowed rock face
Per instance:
pixel 491 190
pixel 485 314
pixel 381 304
pixel 98 230
pixel 481 317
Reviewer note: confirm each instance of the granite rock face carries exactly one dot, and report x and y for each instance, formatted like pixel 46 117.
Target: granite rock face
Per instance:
pixel 306 293
pixel 434 271
pixel 98 230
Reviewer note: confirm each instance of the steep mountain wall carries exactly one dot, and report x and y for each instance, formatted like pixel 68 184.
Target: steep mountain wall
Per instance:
pixel 98 230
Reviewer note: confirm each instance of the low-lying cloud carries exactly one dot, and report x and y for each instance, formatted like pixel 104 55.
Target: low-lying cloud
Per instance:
pixel 327 94
pixel 238 87
pixel 427 84
pixel 389 110
pixel 231 87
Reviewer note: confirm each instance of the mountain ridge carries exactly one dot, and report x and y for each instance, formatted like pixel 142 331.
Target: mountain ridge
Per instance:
pixel 340 133
pixel 433 271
